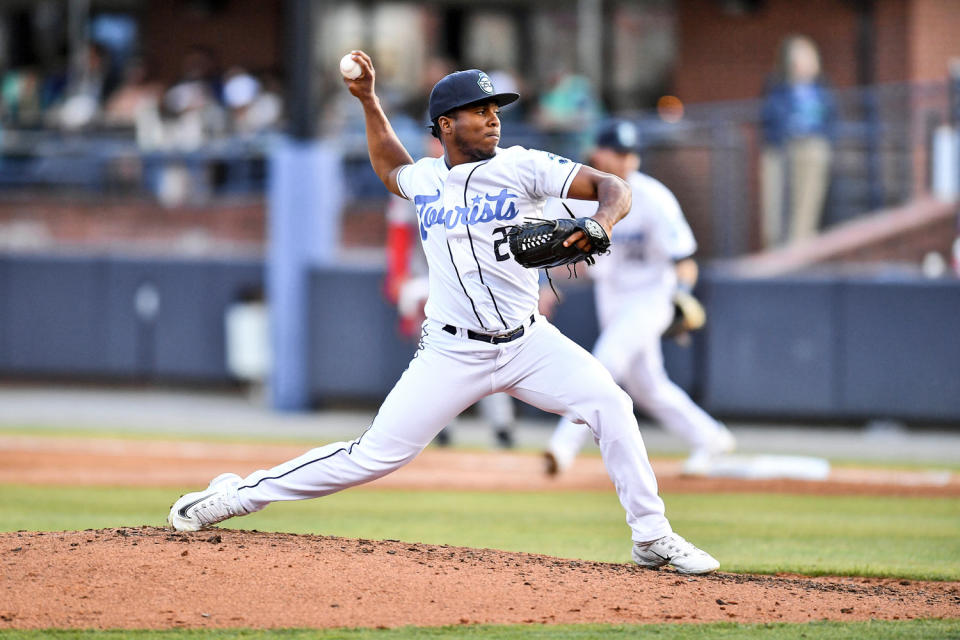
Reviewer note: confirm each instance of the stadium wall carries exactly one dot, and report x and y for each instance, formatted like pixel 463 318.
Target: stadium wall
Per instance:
pixel 824 346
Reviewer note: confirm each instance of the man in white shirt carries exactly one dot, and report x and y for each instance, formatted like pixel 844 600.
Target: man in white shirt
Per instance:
pixel 650 258
pixel 483 333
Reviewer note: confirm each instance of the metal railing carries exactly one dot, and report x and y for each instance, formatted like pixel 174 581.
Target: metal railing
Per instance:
pixel 109 161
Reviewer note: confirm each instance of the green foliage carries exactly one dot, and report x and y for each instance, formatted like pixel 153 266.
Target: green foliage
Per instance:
pixel 758 533
pixel 875 630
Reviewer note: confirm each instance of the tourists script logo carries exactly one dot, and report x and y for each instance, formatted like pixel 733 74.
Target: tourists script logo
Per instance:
pixel 484 208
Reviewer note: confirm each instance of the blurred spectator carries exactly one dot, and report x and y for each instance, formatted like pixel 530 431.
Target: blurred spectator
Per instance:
pixel 266 112
pixel 89 85
pixel 253 107
pixel 240 89
pixel 190 116
pixel 797 119
pixel 135 93
pixel 194 114
pixel 201 65
pixel 21 98
pixel 569 108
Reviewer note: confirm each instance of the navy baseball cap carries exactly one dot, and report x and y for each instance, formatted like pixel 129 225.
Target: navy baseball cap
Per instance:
pixel 619 135
pixel 462 88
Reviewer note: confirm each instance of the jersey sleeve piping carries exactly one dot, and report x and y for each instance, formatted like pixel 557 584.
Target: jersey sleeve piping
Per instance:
pixel 569 180
pixel 399 186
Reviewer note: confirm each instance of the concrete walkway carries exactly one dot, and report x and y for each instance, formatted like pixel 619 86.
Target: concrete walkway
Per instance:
pixel 219 413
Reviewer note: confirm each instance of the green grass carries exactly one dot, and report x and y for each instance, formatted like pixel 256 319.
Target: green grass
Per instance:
pixel 875 630
pixel 916 538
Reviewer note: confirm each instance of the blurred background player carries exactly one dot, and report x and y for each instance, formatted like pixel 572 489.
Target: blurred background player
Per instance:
pixel 634 287
pixel 407 287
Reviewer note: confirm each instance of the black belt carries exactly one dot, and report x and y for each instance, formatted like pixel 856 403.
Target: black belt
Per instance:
pixel 497 338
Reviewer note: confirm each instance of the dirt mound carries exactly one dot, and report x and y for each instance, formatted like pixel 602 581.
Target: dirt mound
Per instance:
pixel 153 578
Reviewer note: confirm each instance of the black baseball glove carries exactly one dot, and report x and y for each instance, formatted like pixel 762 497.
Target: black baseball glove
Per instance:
pixel 538 244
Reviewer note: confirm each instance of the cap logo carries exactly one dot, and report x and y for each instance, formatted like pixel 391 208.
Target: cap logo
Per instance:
pixel 484 83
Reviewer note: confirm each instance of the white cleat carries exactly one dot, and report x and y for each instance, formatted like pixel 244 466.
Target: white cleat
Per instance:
pixel 672 549
pixel 202 509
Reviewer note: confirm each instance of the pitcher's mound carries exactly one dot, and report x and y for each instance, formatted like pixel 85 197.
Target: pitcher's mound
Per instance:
pixel 153 578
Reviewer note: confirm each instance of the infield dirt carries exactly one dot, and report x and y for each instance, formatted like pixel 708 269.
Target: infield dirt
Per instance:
pixel 153 578
pixel 77 461
pixel 149 577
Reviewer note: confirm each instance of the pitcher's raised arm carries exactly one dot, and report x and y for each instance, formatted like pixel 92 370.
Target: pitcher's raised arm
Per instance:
pixel 387 153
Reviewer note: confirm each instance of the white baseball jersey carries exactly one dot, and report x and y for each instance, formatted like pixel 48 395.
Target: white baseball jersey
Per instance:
pixel 474 281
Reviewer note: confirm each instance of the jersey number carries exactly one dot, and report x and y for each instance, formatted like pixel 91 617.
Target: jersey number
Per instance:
pixel 499 243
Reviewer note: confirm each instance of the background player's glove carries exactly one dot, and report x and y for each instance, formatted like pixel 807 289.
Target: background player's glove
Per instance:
pixel 538 244
pixel 688 315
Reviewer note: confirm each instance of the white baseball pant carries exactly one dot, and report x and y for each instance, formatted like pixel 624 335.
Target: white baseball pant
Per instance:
pixel 448 374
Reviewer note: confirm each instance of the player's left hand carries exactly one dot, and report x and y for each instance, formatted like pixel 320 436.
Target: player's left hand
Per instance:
pixel 582 240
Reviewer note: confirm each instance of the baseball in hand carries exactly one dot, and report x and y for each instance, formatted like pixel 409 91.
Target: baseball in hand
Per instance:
pixel 349 67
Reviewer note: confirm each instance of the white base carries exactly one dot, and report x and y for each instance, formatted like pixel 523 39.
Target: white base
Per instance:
pixel 761 467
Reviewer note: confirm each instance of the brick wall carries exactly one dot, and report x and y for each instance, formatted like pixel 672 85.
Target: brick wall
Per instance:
pixel 723 56
pixel 31 222
pixel 934 38
pixel 728 57
pixel 246 32
pixel 891 48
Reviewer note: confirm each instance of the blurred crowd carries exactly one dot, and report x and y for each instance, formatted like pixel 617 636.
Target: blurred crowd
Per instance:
pixel 98 93
pixel 105 89
pixel 211 101
pixel 561 115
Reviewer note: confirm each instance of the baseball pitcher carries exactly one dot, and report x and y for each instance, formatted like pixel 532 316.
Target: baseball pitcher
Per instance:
pixel 482 332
